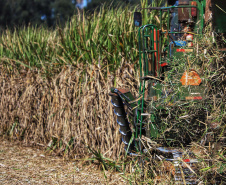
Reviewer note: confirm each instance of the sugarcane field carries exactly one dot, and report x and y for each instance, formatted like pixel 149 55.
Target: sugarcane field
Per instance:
pixel 120 92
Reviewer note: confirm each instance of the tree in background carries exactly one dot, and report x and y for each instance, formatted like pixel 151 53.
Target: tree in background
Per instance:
pixel 63 10
pixel 16 13
pixel 22 12
pixel 95 4
pixel 5 15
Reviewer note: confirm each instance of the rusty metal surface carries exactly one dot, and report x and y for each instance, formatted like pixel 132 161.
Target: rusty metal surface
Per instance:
pixel 222 49
pixel 208 12
pixel 183 13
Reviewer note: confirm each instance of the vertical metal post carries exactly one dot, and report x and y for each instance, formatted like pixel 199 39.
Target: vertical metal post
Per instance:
pixel 168 29
pixel 160 37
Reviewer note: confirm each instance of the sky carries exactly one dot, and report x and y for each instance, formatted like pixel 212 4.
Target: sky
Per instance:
pixel 84 3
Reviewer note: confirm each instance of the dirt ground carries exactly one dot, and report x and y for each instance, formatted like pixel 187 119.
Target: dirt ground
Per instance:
pixel 26 165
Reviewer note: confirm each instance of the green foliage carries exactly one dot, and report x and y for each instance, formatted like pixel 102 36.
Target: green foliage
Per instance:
pixel 107 37
pixel 34 12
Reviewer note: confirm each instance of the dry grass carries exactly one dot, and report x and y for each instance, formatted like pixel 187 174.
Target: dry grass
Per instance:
pixel 64 113
pixel 26 165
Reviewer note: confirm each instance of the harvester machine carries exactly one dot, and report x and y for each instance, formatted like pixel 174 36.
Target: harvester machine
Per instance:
pixel 173 38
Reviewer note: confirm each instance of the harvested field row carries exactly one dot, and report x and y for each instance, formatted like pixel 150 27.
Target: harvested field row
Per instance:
pixel 25 165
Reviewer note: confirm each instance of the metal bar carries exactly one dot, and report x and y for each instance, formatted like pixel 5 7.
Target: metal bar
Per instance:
pixel 150 51
pixel 168 28
pixel 148 39
pixel 170 32
pixel 139 44
pixel 147 46
pixel 157 43
pixel 142 109
pixel 144 46
pixel 152 40
pixel 160 37
pixel 201 12
pixel 169 7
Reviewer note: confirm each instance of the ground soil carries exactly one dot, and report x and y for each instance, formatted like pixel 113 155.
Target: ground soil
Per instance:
pixel 20 164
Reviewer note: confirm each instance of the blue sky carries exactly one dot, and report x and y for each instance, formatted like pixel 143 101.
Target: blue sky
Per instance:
pixel 84 4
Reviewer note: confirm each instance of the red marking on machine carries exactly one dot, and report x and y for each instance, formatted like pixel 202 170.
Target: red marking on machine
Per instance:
pixel 190 78
pixel 194 98
pixel 164 64
pixel 194 10
pixel 186 160
pixel 180 50
pixel 157 54
pixel 184 50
